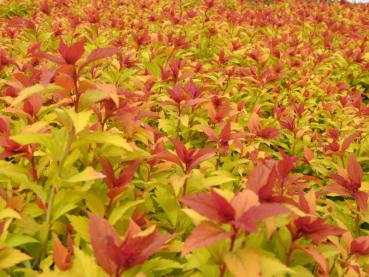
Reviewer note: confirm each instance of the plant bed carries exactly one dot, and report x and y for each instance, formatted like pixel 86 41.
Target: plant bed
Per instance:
pixel 184 138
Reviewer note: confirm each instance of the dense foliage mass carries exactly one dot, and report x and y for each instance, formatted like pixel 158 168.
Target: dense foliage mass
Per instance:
pixel 184 138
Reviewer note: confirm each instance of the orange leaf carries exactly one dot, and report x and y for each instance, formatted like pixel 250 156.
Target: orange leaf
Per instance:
pixel 204 234
pixel 61 255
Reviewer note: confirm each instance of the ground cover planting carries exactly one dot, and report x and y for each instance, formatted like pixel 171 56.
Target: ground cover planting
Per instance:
pixel 184 138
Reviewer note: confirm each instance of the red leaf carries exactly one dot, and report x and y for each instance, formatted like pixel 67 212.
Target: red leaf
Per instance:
pixel 4 125
pixel 157 240
pixel 180 149
pixel 354 170
pixel 225 134
pixel 116 191
pixel 361 199
pixel 254 215
pixel 261 179
pixel 285 166
pixel 136 248
pixel 108 172
pixel 75 52
pixel 316 229
pixel 254 123
pixel 203 235
pixel 308 154
pixel 243 201
pixel 127 174
pixel 55 59
pixel 65 81
pixel 201 156
pixel 100 53
pixel 71 54
pixel 269 132
pixel 212 136
pixel 317 256
pixel 20 22
pixel 360 246
pixel 113 254
pixel 338 189
pixel 167 156
pixel 210 204
pixel 101 234
pixel 258 176
pixel 347 141
pixel 33 104
pixel 62 257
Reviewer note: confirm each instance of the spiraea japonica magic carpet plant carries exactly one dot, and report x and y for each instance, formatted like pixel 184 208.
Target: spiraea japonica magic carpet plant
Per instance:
pixel 184 138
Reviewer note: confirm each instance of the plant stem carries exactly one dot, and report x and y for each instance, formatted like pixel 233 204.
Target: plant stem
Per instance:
pixel 218 160
pixel 183 192
pixel 231 247
pixel 75 82
pixel 33 168
pixel 293 143
pixel 180 8
pixel 50 201
pixel 185 187
pixel 179 121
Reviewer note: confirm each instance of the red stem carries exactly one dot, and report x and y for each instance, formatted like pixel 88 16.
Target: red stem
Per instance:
pixel 179 120
pixel 233 240
pixel 33 164
pixel 75 79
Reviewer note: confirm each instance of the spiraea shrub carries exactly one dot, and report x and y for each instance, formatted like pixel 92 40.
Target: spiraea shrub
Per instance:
pixel 184 138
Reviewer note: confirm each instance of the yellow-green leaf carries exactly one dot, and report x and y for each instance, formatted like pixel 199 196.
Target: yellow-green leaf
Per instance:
pixel 10 257
pixel 244 263
pixel 118 212
pixel 80 120
pixel 88 174
pixel 95 204
pixel 105 138
pixel 27 92
pixel 84 265
pixel 272 266
pixel 80 225
pixel 9 213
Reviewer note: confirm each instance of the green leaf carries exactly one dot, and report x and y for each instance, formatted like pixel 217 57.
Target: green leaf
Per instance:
pixel 217 180
pixel 27 92
pixel 94 203
pixel 194 216
pixel 105 138
pixel 244 263
pixel 84 265
pixel 80 120
pixel 80 224
pixel 271 266
pixel 88 174
pixel 300 271
pixel 30 138
pixel 18 175
pixel 168 126
pixel 168 202
pixel 153 68
pixel 64 202
pixel 160 264
pixel 92 96
pixel 9 213
pixel 118 212
pixel 10 257
pixel 37 189
pixel 19 239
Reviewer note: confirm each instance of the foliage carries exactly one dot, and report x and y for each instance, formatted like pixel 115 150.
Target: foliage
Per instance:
pixel 184 138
